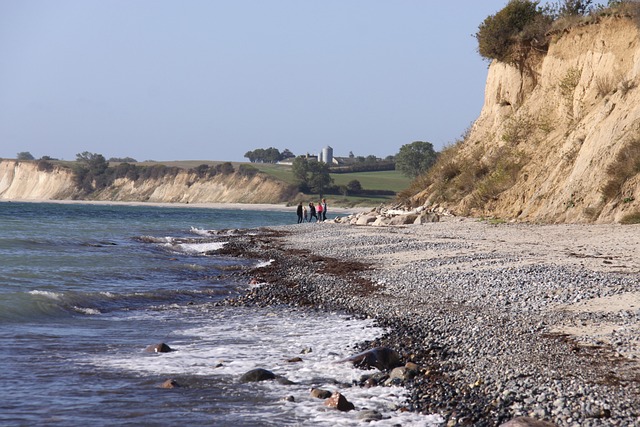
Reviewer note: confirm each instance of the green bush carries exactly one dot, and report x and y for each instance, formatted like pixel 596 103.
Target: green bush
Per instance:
pixel 45 165
pixel 247 170
pixel 520 24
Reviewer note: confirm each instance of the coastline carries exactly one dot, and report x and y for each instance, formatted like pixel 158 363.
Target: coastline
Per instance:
pixel 504 320
pixel 237 206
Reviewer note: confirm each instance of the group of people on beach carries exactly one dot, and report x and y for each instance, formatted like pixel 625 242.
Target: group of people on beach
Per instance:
pixel 318 212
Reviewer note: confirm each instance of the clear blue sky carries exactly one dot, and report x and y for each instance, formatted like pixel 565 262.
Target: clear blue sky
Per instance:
pixel 211 80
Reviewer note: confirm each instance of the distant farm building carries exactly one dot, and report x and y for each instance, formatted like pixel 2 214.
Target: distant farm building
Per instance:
pixel 326 155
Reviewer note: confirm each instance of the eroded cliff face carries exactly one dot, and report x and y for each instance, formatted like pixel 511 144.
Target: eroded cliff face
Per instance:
pixel 24 181
pixel 562 122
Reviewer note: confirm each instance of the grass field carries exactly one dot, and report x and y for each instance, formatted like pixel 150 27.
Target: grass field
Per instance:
pixel 382 180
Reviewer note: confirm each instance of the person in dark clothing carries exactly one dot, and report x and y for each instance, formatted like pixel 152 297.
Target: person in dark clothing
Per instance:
pixel 299 211
pixel 312 212
pixel 324 209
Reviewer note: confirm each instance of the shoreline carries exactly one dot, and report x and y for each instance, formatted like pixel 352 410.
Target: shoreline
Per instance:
pixel 238 206
pixel 489 312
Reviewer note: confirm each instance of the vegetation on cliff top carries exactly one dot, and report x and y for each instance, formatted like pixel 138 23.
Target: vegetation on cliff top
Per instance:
pixel 523 26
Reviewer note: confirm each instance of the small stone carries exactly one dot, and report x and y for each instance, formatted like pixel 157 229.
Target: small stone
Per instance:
pixel 369 415
pixel 527 422
pixel 339 402
pixel 170 383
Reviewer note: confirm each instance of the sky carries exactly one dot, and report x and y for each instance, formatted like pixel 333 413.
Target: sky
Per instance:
pixel 210 80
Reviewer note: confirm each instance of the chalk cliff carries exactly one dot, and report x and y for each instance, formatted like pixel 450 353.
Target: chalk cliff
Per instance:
pixel 554 139
pixel 28 181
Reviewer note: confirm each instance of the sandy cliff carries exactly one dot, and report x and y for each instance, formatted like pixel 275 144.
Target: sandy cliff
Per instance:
pixel 26 181
pixel 549 137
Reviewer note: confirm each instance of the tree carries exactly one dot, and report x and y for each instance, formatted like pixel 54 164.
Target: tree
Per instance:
pixel 90 171
pixel 576 7
pixel 271 155
pixel 25 155
pixel 96 163
pixel 286 154
pixel 319 178
pixel 261 155
pixel 300 169
pixel 250 155
pixel 354 186
pixel 311 175
pixel 416 158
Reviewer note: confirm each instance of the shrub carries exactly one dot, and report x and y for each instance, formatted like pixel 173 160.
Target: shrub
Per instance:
pixel 202 170
pixel 518 128
pixel 625 165
pixel 247 170
pixel 509 34
pixel 45 165
pixel 604 86
pixel 157 172
pixel 224 168
pixel 354 186
pixel 632 218
pixel 24 155
pixel 500 173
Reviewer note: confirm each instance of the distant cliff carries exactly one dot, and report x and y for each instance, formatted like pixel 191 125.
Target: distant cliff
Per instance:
pixel 557 140
pixel 27 181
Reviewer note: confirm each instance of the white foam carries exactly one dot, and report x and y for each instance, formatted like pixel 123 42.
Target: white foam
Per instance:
pixel 197 248
pixel 85 310
pixel 241 339
pixel 264 264
pixel 52 295
pixel 200 231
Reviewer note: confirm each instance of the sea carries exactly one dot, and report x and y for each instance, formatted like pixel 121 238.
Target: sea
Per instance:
pixel 85 289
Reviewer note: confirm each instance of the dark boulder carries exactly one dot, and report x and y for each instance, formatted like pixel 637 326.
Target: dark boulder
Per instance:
pixel 382 358
pixel 158 348
pixel 256 375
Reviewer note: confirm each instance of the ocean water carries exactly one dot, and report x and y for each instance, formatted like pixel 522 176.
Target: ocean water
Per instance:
pixel 84 289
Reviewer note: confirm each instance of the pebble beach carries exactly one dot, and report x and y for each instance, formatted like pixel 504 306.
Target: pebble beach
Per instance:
pixel 504 320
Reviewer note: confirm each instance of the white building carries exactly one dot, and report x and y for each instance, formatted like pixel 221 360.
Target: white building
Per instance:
pixel 326 155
